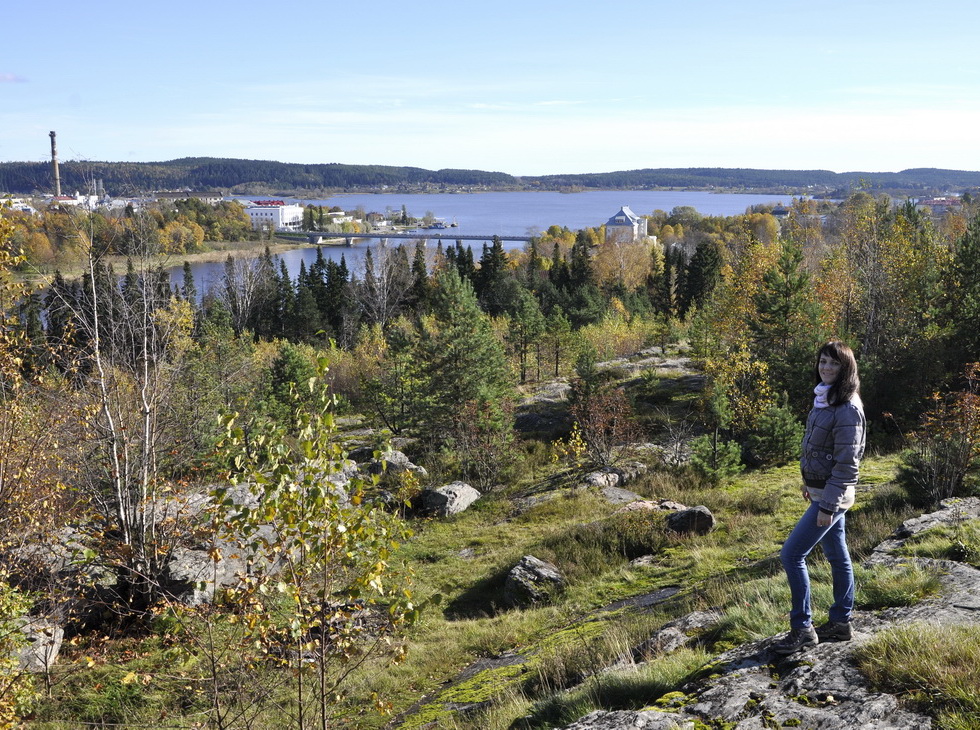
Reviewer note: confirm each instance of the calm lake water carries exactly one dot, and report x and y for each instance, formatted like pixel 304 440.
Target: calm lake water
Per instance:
pixel 515 214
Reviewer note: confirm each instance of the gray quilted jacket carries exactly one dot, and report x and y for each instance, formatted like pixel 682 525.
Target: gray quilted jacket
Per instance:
pixel 832 449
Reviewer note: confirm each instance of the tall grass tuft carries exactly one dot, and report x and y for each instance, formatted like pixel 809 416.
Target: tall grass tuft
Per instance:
pixel 936 666
pixel 628 689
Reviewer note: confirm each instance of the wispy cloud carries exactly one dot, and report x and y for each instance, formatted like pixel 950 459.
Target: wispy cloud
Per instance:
pixel 12 79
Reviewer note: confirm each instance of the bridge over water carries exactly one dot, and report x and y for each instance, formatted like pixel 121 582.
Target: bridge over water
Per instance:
pixel 317 237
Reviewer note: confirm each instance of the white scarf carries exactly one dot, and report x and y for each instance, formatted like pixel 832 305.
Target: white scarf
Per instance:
pixel 820 396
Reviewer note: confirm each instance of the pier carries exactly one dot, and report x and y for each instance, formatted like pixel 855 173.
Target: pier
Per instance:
pixel 318 237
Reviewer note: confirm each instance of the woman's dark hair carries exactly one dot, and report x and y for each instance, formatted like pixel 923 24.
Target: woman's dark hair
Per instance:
pixel 848 383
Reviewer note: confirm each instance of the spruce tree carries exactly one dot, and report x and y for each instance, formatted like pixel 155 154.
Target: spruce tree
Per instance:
pixel 189 289
pixel 964 305
pixel 703 273
pixel 463 362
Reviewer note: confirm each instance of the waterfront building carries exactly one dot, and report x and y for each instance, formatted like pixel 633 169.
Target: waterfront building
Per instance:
pixel 626 227
pixel 275 214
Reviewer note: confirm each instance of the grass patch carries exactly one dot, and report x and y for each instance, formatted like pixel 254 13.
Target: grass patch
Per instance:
pixel 934 666
pixel 959 542
pixel 629 689
pixel 886 587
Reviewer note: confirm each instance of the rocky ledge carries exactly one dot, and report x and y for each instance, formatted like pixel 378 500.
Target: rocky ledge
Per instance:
pixel 821 688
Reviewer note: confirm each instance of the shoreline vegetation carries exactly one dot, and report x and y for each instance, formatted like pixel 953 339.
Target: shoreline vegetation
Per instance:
pixel 218 251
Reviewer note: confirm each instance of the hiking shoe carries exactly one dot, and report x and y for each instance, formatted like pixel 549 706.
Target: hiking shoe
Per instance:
pixel 795 640
pixel 834 631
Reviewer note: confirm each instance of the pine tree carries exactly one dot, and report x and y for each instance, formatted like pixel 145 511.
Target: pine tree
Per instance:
pixel 784 328
pixel 527 327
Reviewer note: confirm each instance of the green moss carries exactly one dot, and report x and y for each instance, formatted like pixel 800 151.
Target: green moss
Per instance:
pixel 481 687
pixel 674 701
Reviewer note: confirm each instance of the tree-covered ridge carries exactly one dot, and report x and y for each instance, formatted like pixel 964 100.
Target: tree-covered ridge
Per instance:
pixel 201 173
pixel 921 179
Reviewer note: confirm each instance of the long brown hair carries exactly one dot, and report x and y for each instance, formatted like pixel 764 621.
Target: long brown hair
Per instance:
pixel 848 383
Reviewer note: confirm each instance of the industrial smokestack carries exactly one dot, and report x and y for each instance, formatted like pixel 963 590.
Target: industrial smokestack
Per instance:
pixel 54 166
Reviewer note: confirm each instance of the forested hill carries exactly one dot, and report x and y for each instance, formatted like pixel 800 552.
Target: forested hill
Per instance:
pixel 921 179
pixel 263 176
pixel 206 173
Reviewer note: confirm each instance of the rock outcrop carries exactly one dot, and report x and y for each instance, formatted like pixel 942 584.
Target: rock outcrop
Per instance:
pixel 820 688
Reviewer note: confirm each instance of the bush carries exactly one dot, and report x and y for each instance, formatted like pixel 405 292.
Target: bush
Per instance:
pixel 947 447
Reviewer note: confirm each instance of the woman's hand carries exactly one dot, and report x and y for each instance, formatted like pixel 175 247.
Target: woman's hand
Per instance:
pixel 824 520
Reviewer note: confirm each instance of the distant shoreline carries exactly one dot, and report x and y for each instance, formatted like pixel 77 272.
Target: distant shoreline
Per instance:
pixel 219 252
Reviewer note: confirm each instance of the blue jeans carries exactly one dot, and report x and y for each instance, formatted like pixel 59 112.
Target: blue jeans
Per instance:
pixel 804 537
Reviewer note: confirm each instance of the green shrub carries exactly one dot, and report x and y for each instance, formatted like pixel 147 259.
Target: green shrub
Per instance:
pixel 715 459
pixel 947 448
pixel 777 437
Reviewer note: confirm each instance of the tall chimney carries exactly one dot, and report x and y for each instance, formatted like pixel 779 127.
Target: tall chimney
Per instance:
pixel 54 166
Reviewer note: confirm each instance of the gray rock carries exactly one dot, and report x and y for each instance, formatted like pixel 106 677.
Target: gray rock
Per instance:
pixel 653 505
pixel 450 499
pixel 551 392
pixel 602 478
pixel 698 520
pixel 44 640
pixel 675 634
pixel 615 476
pixel 532 581
pixel 630 720
pixel 631 470
pixel 615 495
pixel 394 462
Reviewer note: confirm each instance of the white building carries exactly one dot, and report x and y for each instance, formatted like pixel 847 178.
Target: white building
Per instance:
pixel 275 214
pixel 626 227
pixel 211 197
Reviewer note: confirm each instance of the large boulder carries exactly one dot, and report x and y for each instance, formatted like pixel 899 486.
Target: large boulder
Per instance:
pixel 614 476
pixel 697 520
pixel 532 581
pixel 450 499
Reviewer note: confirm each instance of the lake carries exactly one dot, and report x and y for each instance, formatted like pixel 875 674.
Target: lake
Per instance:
pixel 515 214
pixel 524 213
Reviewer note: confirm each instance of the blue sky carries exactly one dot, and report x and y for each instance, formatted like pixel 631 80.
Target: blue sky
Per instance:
pixel 530 87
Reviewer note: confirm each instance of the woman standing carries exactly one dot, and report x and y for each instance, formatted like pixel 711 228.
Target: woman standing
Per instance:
pixel 832 449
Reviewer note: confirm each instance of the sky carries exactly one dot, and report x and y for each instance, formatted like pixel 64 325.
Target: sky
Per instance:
pixel 526 87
